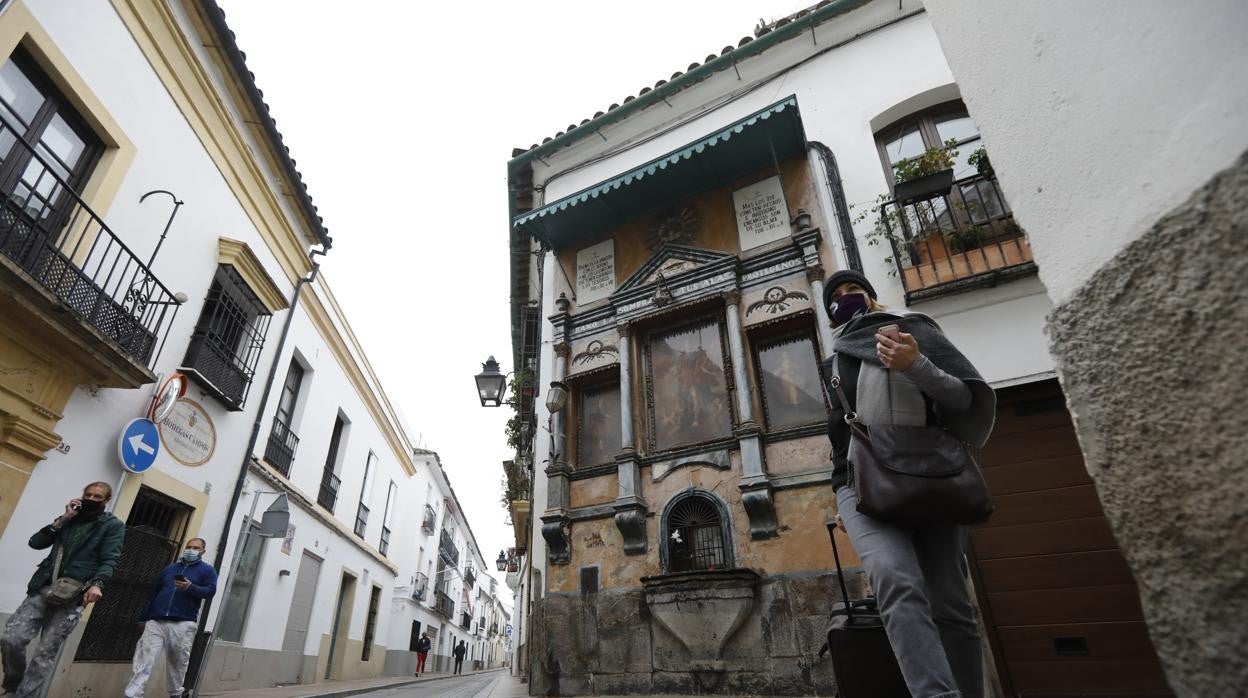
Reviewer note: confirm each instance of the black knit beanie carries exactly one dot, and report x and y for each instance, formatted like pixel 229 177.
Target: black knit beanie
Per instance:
pixel 845 276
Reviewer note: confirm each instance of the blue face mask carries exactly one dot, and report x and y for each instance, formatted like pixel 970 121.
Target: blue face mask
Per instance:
pixel 189 556
pixel 843 309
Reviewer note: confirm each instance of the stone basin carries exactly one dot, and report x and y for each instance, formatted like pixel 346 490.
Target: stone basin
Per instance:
pixel 702 610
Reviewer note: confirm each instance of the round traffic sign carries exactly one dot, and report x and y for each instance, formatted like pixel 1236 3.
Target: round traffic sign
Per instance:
pixel 138 445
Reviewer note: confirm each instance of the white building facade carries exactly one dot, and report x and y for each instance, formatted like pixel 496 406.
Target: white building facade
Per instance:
pixel 637 219
pixel 281 398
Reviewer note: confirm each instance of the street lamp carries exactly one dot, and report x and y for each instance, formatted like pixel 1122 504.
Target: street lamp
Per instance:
pixel 556 397
pixel 491 384
pixel 501 562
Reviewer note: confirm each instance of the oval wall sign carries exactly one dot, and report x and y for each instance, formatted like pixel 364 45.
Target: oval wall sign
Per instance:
pixel 188 434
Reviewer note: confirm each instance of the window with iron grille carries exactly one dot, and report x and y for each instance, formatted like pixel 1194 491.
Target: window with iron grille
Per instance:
pixel 327 496
pixel 370 627
pixel 695 535
pixel 283 442
pixel 155 527
pixel 228 338
pixel 787 366
pixel 387 518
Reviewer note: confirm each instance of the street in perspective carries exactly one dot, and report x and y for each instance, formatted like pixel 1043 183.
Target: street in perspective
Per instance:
pixel 883 348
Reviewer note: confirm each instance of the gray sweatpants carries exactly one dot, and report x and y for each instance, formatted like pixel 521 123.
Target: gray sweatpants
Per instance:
pixel 919 581
pixel 35 617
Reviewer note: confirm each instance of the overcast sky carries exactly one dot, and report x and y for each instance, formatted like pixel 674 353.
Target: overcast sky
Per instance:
pixel 402 117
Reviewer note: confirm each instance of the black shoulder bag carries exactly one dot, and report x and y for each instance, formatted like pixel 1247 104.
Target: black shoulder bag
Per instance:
pixel 914 476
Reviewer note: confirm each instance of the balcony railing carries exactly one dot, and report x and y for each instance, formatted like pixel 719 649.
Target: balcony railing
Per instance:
pixel 383 546
pixel 470 577
pixel 54 236
pixel 955 240
pixel 422 587
pixel 494 628
pixel 465 621
pixel 443 604
pixel 280 453
pixel 446 548
pixel 430 521
pixel 327 496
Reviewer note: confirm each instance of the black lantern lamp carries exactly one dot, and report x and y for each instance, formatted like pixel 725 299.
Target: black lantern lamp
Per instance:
pixel 491 384
pixel 501 562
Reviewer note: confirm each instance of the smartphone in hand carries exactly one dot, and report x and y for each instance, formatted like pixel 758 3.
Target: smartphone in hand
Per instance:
pixel 893 332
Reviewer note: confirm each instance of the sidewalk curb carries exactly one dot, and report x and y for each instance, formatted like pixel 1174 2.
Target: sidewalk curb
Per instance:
pixel 357 691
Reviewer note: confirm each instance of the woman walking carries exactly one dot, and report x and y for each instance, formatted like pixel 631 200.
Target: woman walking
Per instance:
pixel 898 368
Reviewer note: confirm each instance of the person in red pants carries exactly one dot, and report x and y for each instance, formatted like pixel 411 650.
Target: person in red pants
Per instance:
pixel 422 653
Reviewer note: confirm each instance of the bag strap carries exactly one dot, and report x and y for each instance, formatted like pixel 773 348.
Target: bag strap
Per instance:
pixel 851 417
pixel 60 553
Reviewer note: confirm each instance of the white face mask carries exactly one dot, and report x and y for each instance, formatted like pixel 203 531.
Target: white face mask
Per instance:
pixel 189 556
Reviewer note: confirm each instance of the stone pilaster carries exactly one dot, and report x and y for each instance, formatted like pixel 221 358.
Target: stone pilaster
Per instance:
pixel 630 507
pixel 754 485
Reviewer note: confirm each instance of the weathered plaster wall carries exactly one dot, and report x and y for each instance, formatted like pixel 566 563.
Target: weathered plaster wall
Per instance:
pixel 797 455
pixel 606 643
pixel 1103 119
pixel 718 229
pixel 1164 433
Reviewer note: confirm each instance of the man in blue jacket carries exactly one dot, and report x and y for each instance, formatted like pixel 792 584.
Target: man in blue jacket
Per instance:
pixel 171 615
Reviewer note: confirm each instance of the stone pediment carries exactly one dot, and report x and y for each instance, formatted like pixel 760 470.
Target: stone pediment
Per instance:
pixel 669 261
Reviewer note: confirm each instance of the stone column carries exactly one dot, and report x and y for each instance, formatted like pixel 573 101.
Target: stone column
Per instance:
pixel 556 523
pixel 754 485
pixel 814 274
pixel 630 507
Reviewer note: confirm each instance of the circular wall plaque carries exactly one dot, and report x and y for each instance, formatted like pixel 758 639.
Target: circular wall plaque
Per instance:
pixel 188 433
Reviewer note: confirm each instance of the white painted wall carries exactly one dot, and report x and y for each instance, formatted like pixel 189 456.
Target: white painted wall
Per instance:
pixel 1143 101
pixel 170 156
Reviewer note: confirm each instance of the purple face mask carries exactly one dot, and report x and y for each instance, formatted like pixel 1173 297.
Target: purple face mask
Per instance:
pixel 843 309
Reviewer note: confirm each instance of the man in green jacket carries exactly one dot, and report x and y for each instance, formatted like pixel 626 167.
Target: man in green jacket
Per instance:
pixel 89 542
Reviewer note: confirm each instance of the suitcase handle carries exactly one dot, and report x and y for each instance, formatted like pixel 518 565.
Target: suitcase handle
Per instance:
pixel 840 574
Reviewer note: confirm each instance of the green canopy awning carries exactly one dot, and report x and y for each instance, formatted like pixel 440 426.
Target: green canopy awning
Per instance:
pixel 758 141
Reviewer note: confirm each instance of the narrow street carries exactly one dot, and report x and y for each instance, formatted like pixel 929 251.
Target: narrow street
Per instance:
pixel 489 685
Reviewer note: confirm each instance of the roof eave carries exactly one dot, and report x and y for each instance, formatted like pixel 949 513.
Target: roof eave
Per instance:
pixel 658 94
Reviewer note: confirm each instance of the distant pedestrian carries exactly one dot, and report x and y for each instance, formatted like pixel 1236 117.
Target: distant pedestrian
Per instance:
pixel 171 615
pixel 422 653
pixel 85 544
pixel 460 650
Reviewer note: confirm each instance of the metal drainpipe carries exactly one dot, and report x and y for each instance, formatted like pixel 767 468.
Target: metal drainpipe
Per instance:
pixel 193 688
pixel 835 187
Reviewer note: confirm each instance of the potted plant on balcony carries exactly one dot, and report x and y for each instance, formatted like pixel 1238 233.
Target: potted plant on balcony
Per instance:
pixel 926 175
pixel 979 159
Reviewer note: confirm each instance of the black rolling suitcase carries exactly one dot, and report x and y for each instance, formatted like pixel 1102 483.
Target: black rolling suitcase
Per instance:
pixel 862 659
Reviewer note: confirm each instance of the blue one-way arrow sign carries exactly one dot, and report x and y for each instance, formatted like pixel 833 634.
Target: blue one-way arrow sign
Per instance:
pixel 138 445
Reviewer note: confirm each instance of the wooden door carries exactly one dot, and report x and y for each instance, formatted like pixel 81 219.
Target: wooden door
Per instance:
pixel 1059 600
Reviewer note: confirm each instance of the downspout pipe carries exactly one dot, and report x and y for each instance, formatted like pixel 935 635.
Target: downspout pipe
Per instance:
pixel 251 444
pixel 836 188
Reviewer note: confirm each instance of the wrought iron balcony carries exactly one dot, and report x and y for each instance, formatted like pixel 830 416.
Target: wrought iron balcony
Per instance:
pixel 383 546
pixel 280 452
pixel 447 549
pixel 443 604
pixel 327 496
pixel 957 240
pixel 52 235
pixel 465 621
pixel 494 628
pixel 361 519
pixel 470 576
pixel 430 521
pixel 422 587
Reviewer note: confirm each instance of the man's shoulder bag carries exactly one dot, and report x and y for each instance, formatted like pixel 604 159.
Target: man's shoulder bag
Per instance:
pixel 64 590
pixel 910 475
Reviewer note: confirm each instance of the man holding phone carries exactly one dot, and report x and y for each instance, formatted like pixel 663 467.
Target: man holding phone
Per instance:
pixel 169 621
pixel 84 545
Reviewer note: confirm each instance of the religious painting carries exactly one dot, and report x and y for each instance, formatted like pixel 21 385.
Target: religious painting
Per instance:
pixel 789 372
pixel 598 435
pixel 688 387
